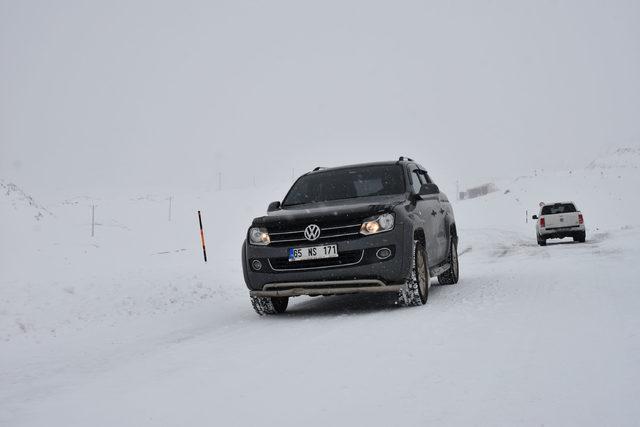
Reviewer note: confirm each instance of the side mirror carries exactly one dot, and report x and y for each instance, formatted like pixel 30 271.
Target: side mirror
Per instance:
pixel 273 206
pixel 535 217
pixel 428 189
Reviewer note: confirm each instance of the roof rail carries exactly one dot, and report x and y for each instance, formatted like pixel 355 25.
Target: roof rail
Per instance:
pixel 317 168
pixel 403 158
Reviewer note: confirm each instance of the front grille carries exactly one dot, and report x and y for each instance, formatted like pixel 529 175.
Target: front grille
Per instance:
pixel 334 232
pixel 345 259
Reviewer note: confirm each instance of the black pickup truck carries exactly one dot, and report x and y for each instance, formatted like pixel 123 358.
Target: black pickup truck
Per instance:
pixel 375 227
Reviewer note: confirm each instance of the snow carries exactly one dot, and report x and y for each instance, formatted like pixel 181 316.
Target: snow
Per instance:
pixel 131 328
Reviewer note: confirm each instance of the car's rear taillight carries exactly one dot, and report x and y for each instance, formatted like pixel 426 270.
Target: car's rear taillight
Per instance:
pixel 542 223
pixel 580 219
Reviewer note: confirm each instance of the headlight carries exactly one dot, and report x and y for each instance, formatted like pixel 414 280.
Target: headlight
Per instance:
pixel 382 223
pixel 259 236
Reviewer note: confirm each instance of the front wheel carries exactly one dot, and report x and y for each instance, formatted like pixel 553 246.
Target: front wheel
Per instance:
pixel 416 289
pixel 451 276
pixel 269 305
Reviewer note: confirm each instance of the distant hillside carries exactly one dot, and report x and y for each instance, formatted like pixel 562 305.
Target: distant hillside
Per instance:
pixel 14 197
pixel 625 157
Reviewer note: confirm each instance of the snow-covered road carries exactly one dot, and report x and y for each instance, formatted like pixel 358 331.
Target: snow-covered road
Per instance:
pixel 530 336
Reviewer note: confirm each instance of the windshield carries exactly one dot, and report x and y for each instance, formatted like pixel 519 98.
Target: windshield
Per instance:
pixel 558 209
pixel 342 184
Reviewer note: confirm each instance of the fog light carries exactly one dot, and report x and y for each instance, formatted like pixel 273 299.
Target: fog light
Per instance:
pixel 383 253
pixel 257 265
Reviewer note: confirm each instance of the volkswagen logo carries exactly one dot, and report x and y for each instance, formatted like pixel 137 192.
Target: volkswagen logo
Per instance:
pixel 312 232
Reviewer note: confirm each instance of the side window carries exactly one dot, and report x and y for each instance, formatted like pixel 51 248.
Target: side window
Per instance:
pixel 423 180
pixel 428 178
pixel 415 181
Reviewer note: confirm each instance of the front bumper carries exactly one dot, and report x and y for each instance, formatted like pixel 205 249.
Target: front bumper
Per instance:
pixel 328 287
pixel 365 274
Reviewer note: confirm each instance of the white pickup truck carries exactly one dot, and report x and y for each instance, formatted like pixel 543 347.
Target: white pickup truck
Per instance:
pixel 559 220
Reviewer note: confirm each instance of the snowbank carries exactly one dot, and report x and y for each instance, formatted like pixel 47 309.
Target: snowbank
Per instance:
pixel 130 327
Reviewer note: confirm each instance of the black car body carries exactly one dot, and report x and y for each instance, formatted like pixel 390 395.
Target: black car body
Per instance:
pixel 378 262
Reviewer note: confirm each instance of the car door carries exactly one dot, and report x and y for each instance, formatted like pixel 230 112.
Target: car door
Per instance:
pixel 426 208
pixel 442 234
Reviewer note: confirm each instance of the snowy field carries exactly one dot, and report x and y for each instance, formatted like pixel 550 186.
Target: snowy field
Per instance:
pixel 131 328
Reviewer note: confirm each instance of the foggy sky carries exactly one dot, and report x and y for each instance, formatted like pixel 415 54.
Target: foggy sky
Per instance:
pixel 119 94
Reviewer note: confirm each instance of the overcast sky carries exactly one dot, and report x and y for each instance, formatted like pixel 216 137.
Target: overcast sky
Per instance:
pixel 115 94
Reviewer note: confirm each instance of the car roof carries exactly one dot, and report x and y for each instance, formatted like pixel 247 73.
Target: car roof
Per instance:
pixel 360 165
pixel 558 203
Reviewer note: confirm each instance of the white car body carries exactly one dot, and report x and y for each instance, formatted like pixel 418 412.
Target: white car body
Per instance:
pixel 559 220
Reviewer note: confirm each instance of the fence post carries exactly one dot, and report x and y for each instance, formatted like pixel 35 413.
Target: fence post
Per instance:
pixel 93 220
pixel 170 199
pixel 204 249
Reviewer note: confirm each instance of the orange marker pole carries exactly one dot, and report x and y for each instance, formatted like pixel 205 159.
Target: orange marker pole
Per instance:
pixel 204 249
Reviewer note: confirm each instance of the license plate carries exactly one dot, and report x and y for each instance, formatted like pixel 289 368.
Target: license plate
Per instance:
pixel 315 252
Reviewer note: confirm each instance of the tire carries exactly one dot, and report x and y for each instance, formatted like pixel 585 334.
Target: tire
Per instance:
pixel 451 276
pixel 582 237
pixel 416 286
pixel 541 241
pixel 269 305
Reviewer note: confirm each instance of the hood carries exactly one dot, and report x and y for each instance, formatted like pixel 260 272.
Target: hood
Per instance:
pixel 338 212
